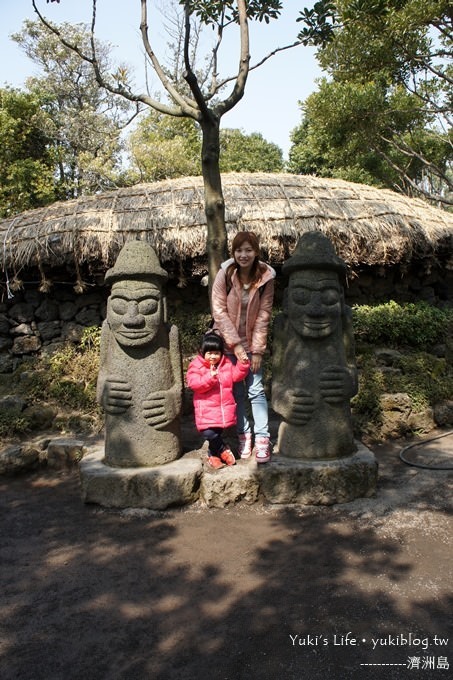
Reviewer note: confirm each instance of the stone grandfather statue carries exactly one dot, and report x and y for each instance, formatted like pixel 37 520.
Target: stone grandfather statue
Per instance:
pixel 140 377
pixel 314 370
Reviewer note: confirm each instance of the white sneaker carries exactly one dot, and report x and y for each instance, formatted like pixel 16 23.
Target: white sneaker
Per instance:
pixel 245 445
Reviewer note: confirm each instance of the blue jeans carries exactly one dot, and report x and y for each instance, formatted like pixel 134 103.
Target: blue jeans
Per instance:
pixel 251 387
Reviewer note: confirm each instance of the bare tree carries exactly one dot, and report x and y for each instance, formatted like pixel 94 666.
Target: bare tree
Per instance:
pixel 196 96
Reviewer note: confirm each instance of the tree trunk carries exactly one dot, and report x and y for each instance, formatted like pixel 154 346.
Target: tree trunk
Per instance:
pixel 217 250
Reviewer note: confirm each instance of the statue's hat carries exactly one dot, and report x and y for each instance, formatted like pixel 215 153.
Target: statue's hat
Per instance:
pixel 136 260
pixel 314 251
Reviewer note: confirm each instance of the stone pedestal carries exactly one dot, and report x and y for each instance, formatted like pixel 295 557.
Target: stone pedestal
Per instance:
pixel 320 482
pixel 173 484
pixel 189 479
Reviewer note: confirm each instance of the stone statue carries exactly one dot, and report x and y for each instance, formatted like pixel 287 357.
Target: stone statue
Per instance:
pixel 140 377
pixel 314 372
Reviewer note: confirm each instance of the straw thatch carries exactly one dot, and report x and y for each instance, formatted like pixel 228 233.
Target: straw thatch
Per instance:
pixel 367 225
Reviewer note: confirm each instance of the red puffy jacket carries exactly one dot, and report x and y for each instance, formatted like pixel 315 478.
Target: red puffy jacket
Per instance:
pixel 213 398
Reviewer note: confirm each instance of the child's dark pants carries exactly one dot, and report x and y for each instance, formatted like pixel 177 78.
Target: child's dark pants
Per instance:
pixel 214 436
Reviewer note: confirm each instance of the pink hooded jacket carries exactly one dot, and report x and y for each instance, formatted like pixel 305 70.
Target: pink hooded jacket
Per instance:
pixel 226 308
pixel 213 398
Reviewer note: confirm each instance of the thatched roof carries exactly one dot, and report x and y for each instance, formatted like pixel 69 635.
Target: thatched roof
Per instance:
pixel 367 225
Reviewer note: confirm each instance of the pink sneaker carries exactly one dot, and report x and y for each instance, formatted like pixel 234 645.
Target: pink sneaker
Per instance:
pixel 245 445
pixel 262 450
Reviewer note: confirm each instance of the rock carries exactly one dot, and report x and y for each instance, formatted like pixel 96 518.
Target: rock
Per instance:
pixel 22 329
pixel 173 484
pixel 68 310
pixel 443 413
pixel 72 332
pixel 387 357
pixel 16 459
pixel 47 311
pixel 22 312
pixel 422 422
pixel 12 405
pixel 398 401
pixel 64 453
pixel 6 362
pixel 26 344
pixel 5 343
pixel 230 485
pixel 48 329
pixel 4 325
pixel 317 482
pixel 40 416
pixel 88 317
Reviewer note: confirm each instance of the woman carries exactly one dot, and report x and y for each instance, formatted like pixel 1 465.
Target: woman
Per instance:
pixel 241 300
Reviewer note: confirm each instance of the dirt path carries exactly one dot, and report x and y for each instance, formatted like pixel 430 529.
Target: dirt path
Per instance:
pixel 228 594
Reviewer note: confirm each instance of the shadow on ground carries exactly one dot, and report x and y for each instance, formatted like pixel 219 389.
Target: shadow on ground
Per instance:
pixel 227 594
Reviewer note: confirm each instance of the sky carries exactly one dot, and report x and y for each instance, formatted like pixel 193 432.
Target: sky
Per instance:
pixel 273 91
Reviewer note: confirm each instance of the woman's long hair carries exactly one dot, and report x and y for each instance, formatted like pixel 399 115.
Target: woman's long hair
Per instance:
pixel 258 268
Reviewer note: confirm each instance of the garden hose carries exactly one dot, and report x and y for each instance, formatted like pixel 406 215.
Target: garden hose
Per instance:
pixel 421 465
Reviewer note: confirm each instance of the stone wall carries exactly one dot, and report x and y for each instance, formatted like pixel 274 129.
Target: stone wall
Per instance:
pixel 32 321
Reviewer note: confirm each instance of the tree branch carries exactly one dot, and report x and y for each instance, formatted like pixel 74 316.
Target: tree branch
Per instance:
pixel 189 75
pixel 225 81
pixel 244 62
pixel 101 80
pixel 406 150
pixel 186 109
pixel 418 189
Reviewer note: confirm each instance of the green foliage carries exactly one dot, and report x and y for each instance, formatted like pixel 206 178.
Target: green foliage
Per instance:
pixel 191 329
pixel 26 164
pixel 416 325
pixel 11 426
pixel 423 377
pixel 248 153
pixel 81 122
pixel 68 377
pixel 384 116
pixel 164 147
pixel 222 12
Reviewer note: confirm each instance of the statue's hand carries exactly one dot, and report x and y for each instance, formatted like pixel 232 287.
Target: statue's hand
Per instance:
pixel 160 409
pixel 117 396
pixel 301 406
pixel 335 384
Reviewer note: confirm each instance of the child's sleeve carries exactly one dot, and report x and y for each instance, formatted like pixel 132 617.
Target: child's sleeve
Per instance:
pixel 240 370
pixel 199 380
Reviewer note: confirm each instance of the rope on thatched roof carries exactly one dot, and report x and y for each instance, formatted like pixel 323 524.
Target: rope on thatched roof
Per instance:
pixel 367 225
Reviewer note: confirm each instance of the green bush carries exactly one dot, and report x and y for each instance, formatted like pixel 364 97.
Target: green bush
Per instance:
pixel 417 325
pixel 69 376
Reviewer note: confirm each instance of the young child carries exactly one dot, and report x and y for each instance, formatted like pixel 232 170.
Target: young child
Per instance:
pixel 211 376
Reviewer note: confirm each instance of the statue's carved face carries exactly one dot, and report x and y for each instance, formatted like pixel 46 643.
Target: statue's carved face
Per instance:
pixel 134 312
pixel 315 303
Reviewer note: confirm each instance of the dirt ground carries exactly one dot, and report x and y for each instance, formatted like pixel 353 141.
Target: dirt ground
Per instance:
pixel 360 590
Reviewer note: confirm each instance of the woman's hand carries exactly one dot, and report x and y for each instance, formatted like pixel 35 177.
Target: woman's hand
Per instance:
pixel 240 353
pixel 255 363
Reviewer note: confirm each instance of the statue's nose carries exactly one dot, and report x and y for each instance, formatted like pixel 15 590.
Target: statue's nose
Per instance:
pixel 315 307
pixel 132 316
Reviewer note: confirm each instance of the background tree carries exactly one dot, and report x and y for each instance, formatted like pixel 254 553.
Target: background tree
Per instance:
pixel 240 152
pixel 80 121
pixel 203 99
pixel 162 147
pixel 26 162
pixel 389 97
pixel 344 133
